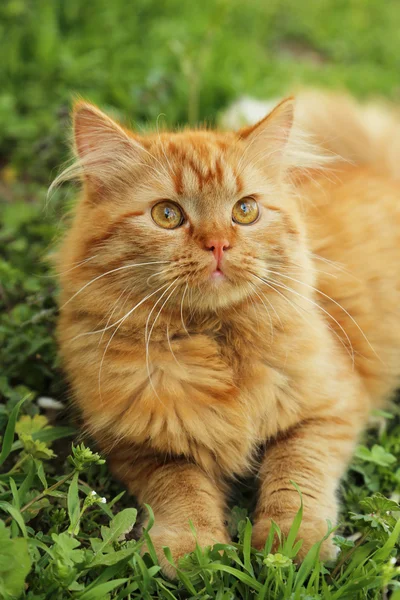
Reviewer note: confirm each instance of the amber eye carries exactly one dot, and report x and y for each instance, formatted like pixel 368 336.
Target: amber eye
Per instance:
pixel 167 214
pixel 245 211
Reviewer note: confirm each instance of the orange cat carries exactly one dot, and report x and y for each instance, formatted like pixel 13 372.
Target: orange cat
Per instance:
pixel 222 293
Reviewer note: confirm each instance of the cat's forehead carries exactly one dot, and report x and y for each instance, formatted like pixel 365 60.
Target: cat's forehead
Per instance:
pixel 200 162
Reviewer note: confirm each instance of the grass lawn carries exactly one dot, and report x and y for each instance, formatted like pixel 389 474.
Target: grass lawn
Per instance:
pixel 62 513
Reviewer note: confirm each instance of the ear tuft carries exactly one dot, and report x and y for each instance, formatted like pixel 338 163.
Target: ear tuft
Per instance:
pixel 107 155
pixel 282 144
pixel 280 119
pixel 269 136
pixel 93 129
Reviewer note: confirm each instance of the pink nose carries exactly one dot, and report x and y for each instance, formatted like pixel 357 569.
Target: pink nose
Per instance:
pixel 217 247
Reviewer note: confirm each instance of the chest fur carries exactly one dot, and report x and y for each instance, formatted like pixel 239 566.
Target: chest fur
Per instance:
pixel 212 398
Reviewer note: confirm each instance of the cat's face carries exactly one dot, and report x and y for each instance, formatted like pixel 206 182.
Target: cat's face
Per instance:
pixel 199 216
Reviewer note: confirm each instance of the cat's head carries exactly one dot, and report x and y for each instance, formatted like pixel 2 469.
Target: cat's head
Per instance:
pixel 198 215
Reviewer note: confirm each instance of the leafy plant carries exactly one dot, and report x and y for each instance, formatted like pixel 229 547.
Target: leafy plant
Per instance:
pixel 80 551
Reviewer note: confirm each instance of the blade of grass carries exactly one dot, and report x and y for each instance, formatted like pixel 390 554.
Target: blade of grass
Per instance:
pixel 168 594
pixel 181 575
pixel 309 563
pixel 247 547
pixel 149 543
pixel 73 505
pixel 50 434
pixel 16 515
pixel 246 579
pixel 10 430
pixel 287 549
pixel 99 592
pixel 275 529
pixel 384 552
pixel 15 495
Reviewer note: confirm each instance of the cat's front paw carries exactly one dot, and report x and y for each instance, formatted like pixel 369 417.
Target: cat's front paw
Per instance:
pixel 181 541
pixel 311 531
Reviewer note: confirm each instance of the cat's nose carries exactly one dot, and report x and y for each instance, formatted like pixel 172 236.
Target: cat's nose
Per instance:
pixel 217 247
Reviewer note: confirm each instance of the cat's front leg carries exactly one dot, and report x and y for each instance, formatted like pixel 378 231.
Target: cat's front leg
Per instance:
pixel 179 493
pixel 314 455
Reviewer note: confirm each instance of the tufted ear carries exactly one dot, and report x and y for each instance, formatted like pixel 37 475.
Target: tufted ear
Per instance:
pixel 106 153
pixel 269 136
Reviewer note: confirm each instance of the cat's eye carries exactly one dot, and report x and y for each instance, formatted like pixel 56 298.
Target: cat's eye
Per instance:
pixel 167 214
pixel 245 211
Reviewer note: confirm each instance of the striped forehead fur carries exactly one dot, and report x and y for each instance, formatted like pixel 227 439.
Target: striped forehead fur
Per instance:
pixel 114 156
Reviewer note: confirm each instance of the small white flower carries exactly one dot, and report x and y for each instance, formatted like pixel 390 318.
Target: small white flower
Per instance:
pixel 393 560
pixel 93 493
pixel 103 500
pixel 50 403
pixel 246 111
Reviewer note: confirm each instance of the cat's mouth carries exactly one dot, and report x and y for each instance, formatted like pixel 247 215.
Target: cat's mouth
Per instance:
pixel 217 270
pixel 218 274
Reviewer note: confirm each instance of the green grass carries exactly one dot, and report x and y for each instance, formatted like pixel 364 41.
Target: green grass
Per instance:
pixel 186 61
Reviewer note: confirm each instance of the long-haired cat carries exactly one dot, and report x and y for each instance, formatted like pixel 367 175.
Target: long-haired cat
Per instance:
pixel 222 293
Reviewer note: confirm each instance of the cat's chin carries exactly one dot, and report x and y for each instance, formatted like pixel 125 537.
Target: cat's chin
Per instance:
pixel 219 292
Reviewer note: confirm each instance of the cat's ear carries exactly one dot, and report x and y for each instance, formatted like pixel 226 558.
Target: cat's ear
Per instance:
pixel 105 152
pixel 269 137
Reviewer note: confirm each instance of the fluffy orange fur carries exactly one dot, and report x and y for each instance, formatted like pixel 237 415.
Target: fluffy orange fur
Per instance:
pixel 182 377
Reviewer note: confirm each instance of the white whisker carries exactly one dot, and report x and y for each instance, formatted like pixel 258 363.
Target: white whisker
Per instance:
pixel 113 311
pixel 147 335
pixel 160 273
pixel 190 303
pixel 183 297
pixel 285 287
pixel 268 313
pixel 170 346
pixel 273 308
pixel 334 264
pixel 331 300
pixel 157 262
pixel 290 302
pixel 121 321
pixel 76 266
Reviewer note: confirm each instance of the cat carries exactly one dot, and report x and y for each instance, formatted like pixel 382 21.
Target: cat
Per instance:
pixel 223 292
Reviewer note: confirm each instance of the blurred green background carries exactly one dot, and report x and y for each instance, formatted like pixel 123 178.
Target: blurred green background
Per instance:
pixel 186 60
pixel 140 59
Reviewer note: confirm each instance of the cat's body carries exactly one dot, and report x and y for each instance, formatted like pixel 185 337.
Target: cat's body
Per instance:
pixel 290 347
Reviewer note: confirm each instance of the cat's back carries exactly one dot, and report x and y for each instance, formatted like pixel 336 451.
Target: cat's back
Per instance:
pixel 353 219
pixel 352 209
